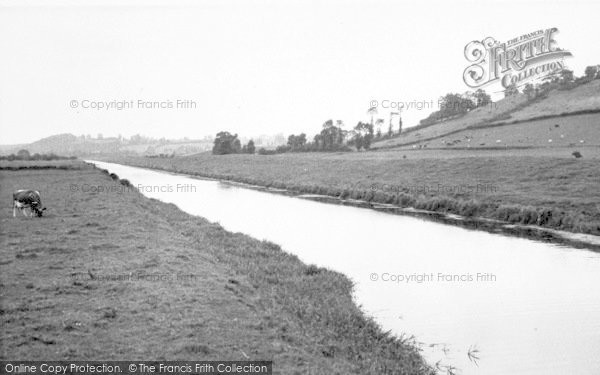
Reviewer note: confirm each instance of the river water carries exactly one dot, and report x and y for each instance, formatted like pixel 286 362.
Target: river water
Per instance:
pixel 520 306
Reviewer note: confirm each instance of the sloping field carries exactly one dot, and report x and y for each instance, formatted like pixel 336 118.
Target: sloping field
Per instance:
pixel 113 275
pixel 477 116
pixel 582 98
pixel 574 132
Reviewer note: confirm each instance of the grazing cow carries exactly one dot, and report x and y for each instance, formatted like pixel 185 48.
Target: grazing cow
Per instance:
pixel 23 199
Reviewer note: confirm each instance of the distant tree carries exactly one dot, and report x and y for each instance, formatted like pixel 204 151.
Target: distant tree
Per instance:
pixel 250 148
pixel 592 72
pixel 566 76
pixel 529 90
pixel 297 142
pixel 455 104
pixel 391 127
pixel 23 155
pixel 372 112
pixel 226 143
pixel 237 145
pixel 358 142
pixel 134 140
pixel 363 136
pixel 318 141
pixel 330 138
pixel 378 123
pixel 482 98
pixel 341 133
pixel 367 140
pixel 328 134
pixel 399 124
pixel 511 90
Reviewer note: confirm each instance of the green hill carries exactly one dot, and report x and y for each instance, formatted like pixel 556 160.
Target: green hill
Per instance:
pixel 515 122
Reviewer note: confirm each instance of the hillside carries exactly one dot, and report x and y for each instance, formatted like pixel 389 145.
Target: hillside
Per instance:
pixel 502 116
pixel 69 144
pixel 573 132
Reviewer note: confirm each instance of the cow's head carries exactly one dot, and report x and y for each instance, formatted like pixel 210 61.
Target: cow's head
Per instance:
pixel 38 209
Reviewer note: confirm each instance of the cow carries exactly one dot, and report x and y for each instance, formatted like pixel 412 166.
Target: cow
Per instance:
pixel 23 199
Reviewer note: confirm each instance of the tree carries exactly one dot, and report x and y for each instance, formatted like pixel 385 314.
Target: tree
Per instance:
pixel 23 155
pixel 592 72
pixel 342 133
pixel 318 140
pixel 379 122
pixel 297 142
pixel 331 137
pixel 529 90
pixel 250 148
pixel 226 143
pixel 391 128
pixel 237 145
pixel 363 135
pixel 455 104
pixel 372 112
pixel 566 76
pixel 367 139
pixel 399 123
pixel 511 90
pixel 482 98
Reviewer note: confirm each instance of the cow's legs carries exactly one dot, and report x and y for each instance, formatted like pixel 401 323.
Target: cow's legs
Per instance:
pixel 14 208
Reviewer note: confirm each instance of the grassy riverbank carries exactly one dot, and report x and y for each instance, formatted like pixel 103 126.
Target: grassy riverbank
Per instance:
pixel 115 275
pixel 545 187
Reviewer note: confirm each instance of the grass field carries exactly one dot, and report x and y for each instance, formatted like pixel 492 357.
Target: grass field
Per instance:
pixel 549 188
pixel 115 275
pixel 584 98
pixel 572 133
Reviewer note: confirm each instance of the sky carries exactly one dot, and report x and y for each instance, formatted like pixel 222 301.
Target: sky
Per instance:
pixel 251 66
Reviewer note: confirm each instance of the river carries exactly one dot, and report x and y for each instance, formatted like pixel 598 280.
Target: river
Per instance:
pixel 519 306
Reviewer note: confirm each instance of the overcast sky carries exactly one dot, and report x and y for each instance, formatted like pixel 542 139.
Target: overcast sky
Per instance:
pixel 251 67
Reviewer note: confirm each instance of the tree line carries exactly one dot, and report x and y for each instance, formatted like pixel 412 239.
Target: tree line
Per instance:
pixel 332 137
pixel 454 105
pixel 25 155
pixel 564 80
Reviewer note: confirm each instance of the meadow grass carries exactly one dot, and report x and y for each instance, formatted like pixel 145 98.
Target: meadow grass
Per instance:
pixel 114 275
